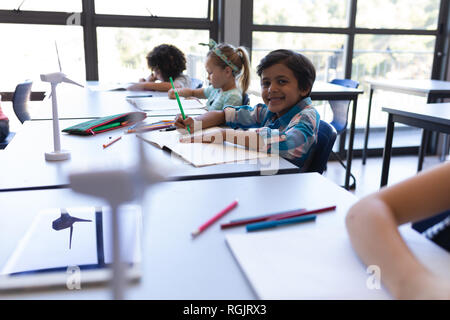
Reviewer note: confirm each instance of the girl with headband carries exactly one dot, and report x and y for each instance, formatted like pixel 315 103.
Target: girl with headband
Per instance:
pixel 228 71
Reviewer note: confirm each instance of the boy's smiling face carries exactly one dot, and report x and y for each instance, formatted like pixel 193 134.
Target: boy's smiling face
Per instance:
pixel 279 89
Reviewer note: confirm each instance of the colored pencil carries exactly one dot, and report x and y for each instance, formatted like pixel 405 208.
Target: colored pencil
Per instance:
pixel 179 103
pixel 111 142
pixel 215 218
pixel 275 216
pixel 276 223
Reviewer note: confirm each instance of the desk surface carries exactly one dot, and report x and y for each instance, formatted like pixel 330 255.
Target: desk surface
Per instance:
pixel 434 112
pixel 176 266
pixel 326 91
pixel 83 103
pixel 24 165
pixel 419 86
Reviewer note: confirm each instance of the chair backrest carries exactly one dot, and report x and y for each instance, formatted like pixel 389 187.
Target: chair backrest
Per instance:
pixel 317 161
pixel 245 100
pixel 340 107
pixel 20 100
pixel 196 83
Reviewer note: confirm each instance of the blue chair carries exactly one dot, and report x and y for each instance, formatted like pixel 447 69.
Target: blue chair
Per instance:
pixel 245 100
pixel 317 161
pixel 20 100
pixel 340 119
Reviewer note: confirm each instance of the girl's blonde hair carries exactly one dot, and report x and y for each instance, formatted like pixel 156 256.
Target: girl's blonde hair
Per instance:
pixel 238 57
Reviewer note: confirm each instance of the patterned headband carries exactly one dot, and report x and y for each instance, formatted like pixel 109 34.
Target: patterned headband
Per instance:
pixel 214 48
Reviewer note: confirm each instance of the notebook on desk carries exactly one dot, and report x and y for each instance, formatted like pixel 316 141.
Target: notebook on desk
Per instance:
pixel 318 263
pixel 201 154
pixel 72 243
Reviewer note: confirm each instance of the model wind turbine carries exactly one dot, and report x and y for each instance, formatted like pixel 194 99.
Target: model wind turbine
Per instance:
pixel 55 78
pixel 119 186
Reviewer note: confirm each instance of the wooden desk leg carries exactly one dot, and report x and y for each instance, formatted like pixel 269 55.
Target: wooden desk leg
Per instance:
pixel 387 151
pixel 366 132
pixel 423 148
pixel 350 146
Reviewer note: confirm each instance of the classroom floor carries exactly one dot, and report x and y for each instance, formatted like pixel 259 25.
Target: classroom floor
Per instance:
pixel 368 176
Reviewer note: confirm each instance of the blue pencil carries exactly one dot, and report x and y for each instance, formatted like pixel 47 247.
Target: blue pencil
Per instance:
pixel 275 223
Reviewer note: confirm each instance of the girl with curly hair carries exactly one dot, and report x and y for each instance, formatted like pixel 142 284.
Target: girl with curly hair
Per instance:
pixel 165 61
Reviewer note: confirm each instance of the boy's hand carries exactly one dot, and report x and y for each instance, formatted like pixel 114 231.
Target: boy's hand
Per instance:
pixel 182 124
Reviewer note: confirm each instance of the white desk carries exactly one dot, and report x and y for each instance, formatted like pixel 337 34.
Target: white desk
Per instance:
pixel 24 167
pixel 176 266
pixel 84 103
pixel 431 89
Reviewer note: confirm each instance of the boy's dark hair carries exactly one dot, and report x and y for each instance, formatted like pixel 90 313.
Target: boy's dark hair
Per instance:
pixel 301 66
pixel 168 59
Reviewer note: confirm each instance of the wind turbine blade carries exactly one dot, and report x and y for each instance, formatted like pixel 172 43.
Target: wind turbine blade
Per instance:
pixel 57 54
pixel 65 79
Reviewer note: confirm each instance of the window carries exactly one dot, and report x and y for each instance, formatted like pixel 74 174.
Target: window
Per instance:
pixel 42 5
pixel 122 51
pixel 35 53
pixel 173 8
pixel 390 57
pixel 398 14
pixel 313 13
pixel 324 50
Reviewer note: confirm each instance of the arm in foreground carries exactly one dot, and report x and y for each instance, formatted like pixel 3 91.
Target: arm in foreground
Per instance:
pixel 372 224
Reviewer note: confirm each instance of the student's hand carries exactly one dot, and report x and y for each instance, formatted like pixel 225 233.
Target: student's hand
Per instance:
pixel 182 124
pixel 214 136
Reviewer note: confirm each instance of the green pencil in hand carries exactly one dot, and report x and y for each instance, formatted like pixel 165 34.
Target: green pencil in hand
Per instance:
pixel 179 103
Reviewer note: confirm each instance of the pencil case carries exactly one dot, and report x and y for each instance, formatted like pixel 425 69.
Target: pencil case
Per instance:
pixel 103 124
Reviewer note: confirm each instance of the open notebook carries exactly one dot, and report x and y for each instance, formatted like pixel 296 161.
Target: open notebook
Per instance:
pixel 201 154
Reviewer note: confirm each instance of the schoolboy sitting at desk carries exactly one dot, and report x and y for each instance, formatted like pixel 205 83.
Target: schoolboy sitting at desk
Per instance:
pixel 165 61
pixel 224 64
pixel 286 123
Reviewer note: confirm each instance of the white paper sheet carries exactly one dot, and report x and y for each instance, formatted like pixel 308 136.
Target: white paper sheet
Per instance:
pixel 318 263
pixel 42 247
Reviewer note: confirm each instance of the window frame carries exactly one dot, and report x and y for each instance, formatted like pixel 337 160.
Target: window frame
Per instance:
pixel 440 59
pixel 89 20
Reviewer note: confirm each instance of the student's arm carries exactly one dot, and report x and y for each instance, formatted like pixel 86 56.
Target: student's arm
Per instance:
pixel 206 120
pixel 150 86
pixel 372 225
pixel 186 92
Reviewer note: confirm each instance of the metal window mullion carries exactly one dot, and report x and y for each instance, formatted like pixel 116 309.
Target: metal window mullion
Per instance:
pixel 90 40
pixel 246 25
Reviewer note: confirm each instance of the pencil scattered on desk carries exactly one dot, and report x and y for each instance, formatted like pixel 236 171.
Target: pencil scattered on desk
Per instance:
pixel 275 216
pixel 163 124
pixel 106 145
pixel 275 223
pixel 230 207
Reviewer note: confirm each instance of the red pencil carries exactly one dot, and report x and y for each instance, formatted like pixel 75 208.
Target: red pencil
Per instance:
pixel 216 217
pixel 276 216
